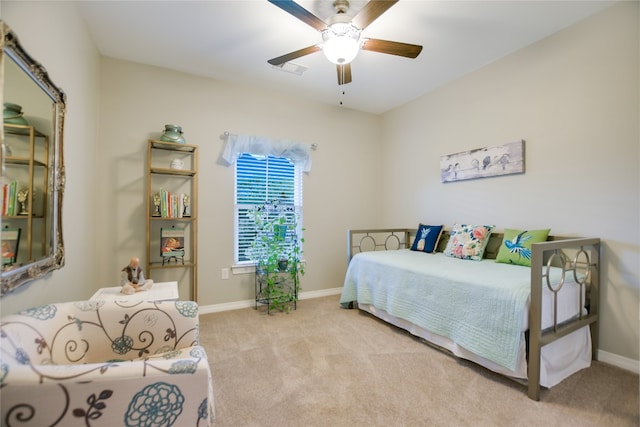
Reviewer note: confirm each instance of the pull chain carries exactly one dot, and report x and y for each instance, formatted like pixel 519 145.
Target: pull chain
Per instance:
pixel 341 79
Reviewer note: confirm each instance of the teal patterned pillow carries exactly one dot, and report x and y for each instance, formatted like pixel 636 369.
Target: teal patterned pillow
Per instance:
pixel 468 241
pixel 516 245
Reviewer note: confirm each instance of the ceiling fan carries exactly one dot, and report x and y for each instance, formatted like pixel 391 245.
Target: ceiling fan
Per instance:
pixel 341 35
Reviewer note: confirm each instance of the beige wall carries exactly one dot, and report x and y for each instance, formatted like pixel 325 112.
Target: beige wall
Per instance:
pixel 137 101
pixel 104 199
pixel 572 97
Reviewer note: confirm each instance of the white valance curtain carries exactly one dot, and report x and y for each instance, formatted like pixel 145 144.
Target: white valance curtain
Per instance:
pixel 298 153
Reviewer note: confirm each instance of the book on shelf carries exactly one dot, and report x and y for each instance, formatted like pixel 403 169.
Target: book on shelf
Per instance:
pixel 5 199
pixel 10 204
pixel 171 205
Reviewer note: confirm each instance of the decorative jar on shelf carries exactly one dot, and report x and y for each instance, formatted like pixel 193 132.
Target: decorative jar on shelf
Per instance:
pixel 12 113
pixel 177 164
pixel 173 133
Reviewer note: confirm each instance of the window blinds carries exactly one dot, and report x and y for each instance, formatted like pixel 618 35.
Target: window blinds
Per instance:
pixel 260 180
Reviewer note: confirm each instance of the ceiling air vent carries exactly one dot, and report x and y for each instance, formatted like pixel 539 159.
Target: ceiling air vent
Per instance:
pixel 291 67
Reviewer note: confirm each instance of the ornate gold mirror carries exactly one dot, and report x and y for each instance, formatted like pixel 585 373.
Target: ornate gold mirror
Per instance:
pixel 32 180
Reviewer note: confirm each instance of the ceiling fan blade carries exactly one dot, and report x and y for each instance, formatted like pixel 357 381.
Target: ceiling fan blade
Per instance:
pixel 371 11
pixel 392 48
pixel 301 13
pixel 344 73
pixel 293 55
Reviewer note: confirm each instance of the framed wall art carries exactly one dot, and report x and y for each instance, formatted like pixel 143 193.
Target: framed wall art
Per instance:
pixel 497 160
pixel 172 245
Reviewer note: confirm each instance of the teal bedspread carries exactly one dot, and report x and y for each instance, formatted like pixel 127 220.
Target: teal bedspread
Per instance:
pixel 480 305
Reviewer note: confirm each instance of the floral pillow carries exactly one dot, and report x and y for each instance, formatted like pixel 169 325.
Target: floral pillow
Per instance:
pixel 427 238
pixel 516 245
pixel 468 241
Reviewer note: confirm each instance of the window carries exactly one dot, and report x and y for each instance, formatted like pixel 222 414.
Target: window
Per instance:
pixel 263 179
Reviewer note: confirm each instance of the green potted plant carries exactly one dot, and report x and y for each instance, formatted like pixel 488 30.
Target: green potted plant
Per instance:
pixel 277 252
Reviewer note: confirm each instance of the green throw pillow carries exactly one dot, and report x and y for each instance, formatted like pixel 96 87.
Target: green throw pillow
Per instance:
pixel 516 245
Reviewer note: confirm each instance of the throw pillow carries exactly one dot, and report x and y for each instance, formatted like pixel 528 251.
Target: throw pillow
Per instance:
pixel 516 245
pixel 468 241
pixel 427 238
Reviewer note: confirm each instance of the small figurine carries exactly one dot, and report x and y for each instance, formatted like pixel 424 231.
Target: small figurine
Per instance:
pixel 186 212
pixel 132 278
pixel 23 195
pixel 156 205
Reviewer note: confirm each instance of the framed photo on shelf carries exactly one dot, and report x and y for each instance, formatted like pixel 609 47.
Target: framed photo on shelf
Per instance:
pixel 172 245
pixel 10 240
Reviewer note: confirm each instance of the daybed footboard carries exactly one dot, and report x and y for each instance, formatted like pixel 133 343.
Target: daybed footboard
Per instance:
pixel 578 257
pixel 581 258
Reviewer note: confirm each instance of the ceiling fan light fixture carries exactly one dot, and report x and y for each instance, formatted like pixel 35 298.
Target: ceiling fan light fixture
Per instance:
pixel 341 35
pixel 341 43
pixel 341 50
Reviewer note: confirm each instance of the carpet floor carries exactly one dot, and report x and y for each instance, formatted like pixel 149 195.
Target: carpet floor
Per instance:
pixel 322 365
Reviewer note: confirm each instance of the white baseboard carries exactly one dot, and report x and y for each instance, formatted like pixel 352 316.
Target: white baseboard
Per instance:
pixel 227 306
pixel 321 293
pixel 603 356
pixel 619 361
pixel 236 305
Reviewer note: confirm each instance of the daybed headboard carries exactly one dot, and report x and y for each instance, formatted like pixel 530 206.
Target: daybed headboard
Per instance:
pixel 384 239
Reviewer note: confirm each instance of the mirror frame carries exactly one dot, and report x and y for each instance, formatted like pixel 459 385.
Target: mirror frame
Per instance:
pixel 55 259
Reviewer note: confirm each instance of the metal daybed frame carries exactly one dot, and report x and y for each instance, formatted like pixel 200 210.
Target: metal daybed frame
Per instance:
pixel 577 256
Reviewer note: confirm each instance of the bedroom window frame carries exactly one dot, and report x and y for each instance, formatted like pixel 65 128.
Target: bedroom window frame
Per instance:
pixel 278 180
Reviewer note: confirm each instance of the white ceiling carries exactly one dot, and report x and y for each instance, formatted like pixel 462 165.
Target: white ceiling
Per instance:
pixel 232 41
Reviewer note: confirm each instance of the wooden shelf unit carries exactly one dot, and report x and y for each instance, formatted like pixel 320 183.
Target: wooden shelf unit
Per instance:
pixel 34 156
pixel 157 176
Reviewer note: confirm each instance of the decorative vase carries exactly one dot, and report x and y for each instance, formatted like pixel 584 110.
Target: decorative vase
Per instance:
pixel 173 133
pixel 12 114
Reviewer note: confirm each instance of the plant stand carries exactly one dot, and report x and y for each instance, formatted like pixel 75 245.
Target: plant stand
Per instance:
pixel 276 289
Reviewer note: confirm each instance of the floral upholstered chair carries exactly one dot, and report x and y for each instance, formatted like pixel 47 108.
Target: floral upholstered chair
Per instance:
pixel 105 363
